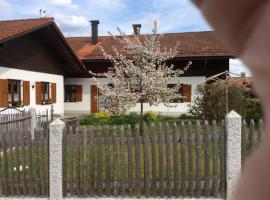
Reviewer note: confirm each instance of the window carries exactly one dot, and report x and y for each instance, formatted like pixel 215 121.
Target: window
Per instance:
pixel 70 93
pixel 14 93
pixel 179 94
pixel 45 92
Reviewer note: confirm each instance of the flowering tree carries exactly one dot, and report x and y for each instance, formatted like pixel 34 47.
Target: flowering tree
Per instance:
pixel 142 78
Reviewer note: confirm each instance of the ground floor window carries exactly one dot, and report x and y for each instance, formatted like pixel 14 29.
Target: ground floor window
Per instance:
pixel 14 93
pixel 45 92
pixel 70 93
pixel 178 96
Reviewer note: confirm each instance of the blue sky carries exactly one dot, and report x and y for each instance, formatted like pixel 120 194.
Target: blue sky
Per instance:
pixel 73 16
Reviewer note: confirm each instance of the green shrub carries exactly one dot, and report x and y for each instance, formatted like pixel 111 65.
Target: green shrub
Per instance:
pixel 149 117
pixel 253 110
pixel 132 119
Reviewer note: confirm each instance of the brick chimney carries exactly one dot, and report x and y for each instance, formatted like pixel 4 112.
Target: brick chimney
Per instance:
pixel 94 27
pixel 137 28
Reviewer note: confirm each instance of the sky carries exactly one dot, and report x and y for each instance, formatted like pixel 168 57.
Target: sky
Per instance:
pixel 72 16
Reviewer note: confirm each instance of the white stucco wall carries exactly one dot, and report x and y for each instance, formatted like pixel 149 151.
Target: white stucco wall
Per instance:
pixel 9 73
pixel 84 107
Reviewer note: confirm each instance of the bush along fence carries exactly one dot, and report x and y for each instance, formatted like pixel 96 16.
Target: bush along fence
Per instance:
pixel 194 159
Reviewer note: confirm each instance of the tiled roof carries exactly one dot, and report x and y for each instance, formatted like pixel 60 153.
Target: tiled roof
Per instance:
pixel 191 44
pixel 13 28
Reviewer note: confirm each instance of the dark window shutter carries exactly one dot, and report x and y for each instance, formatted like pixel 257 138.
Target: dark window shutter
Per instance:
pixel 94 99
pixel 53 92
pixel 38 93
pixel 3 93
pixel 78 92
pixel 186 93
pixel 26 93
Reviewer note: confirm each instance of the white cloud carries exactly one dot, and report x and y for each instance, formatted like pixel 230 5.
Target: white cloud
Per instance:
pixel 5 8
pixel 237 66
pixel 72 23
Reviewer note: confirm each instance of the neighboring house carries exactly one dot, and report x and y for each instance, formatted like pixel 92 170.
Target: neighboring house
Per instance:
pixel 34 60
pixel 39 67
pixel 208 55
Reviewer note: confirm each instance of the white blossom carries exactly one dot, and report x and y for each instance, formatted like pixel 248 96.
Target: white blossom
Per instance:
pixel 144 76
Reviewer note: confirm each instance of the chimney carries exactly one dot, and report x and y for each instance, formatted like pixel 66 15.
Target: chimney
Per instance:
pixel 137 28
pixel 94 26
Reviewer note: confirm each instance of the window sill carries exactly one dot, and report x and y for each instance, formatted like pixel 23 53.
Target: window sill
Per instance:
pixel 18 104
pixel 70 101
pixel 48 102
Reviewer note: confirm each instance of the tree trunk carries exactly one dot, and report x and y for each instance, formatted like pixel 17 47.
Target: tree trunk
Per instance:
pixel 141 119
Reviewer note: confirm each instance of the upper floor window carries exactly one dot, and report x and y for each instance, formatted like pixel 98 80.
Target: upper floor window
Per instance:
pixel 14 92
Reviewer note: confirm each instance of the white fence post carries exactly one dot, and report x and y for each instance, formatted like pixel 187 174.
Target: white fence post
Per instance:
pixel 233 165
pixel 55 157
pixel 33 113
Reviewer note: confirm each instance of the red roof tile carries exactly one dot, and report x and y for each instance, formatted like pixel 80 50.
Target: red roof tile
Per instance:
pixel 191 44
pixel 13 28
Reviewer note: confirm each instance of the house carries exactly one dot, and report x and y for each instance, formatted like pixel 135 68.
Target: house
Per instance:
pixel 208 55
pixel 34 60
pixel 39 67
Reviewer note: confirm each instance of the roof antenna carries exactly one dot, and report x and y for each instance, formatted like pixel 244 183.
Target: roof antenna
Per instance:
pixel 42 13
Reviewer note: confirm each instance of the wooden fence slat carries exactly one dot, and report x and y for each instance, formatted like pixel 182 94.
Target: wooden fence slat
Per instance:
pixel 115 162
pixel 108 163
pixel 37 162
pixel 5 162
pixel 243 141
pixel 23 139
pixel 99 162
pixel 175 160
pixel 23 142
pixel 183 158
pixel 64 158
pixel 222 159
pixel 30 165
pixel 72 136
pixel 260 127
pixel 198 159
pixel 17 159
pixel 13 161
pixel 78 161
pixel 42 164
pixel 206 159
pixel 91 162
pixel 252 135
pixel 154 167
pixel 214 142
pixel 123 164
pixel 168 161
pixel 130 161
pixel 146 162
pixel 160 154
pixel 84 164
pixel 137 161
pixel 190 160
